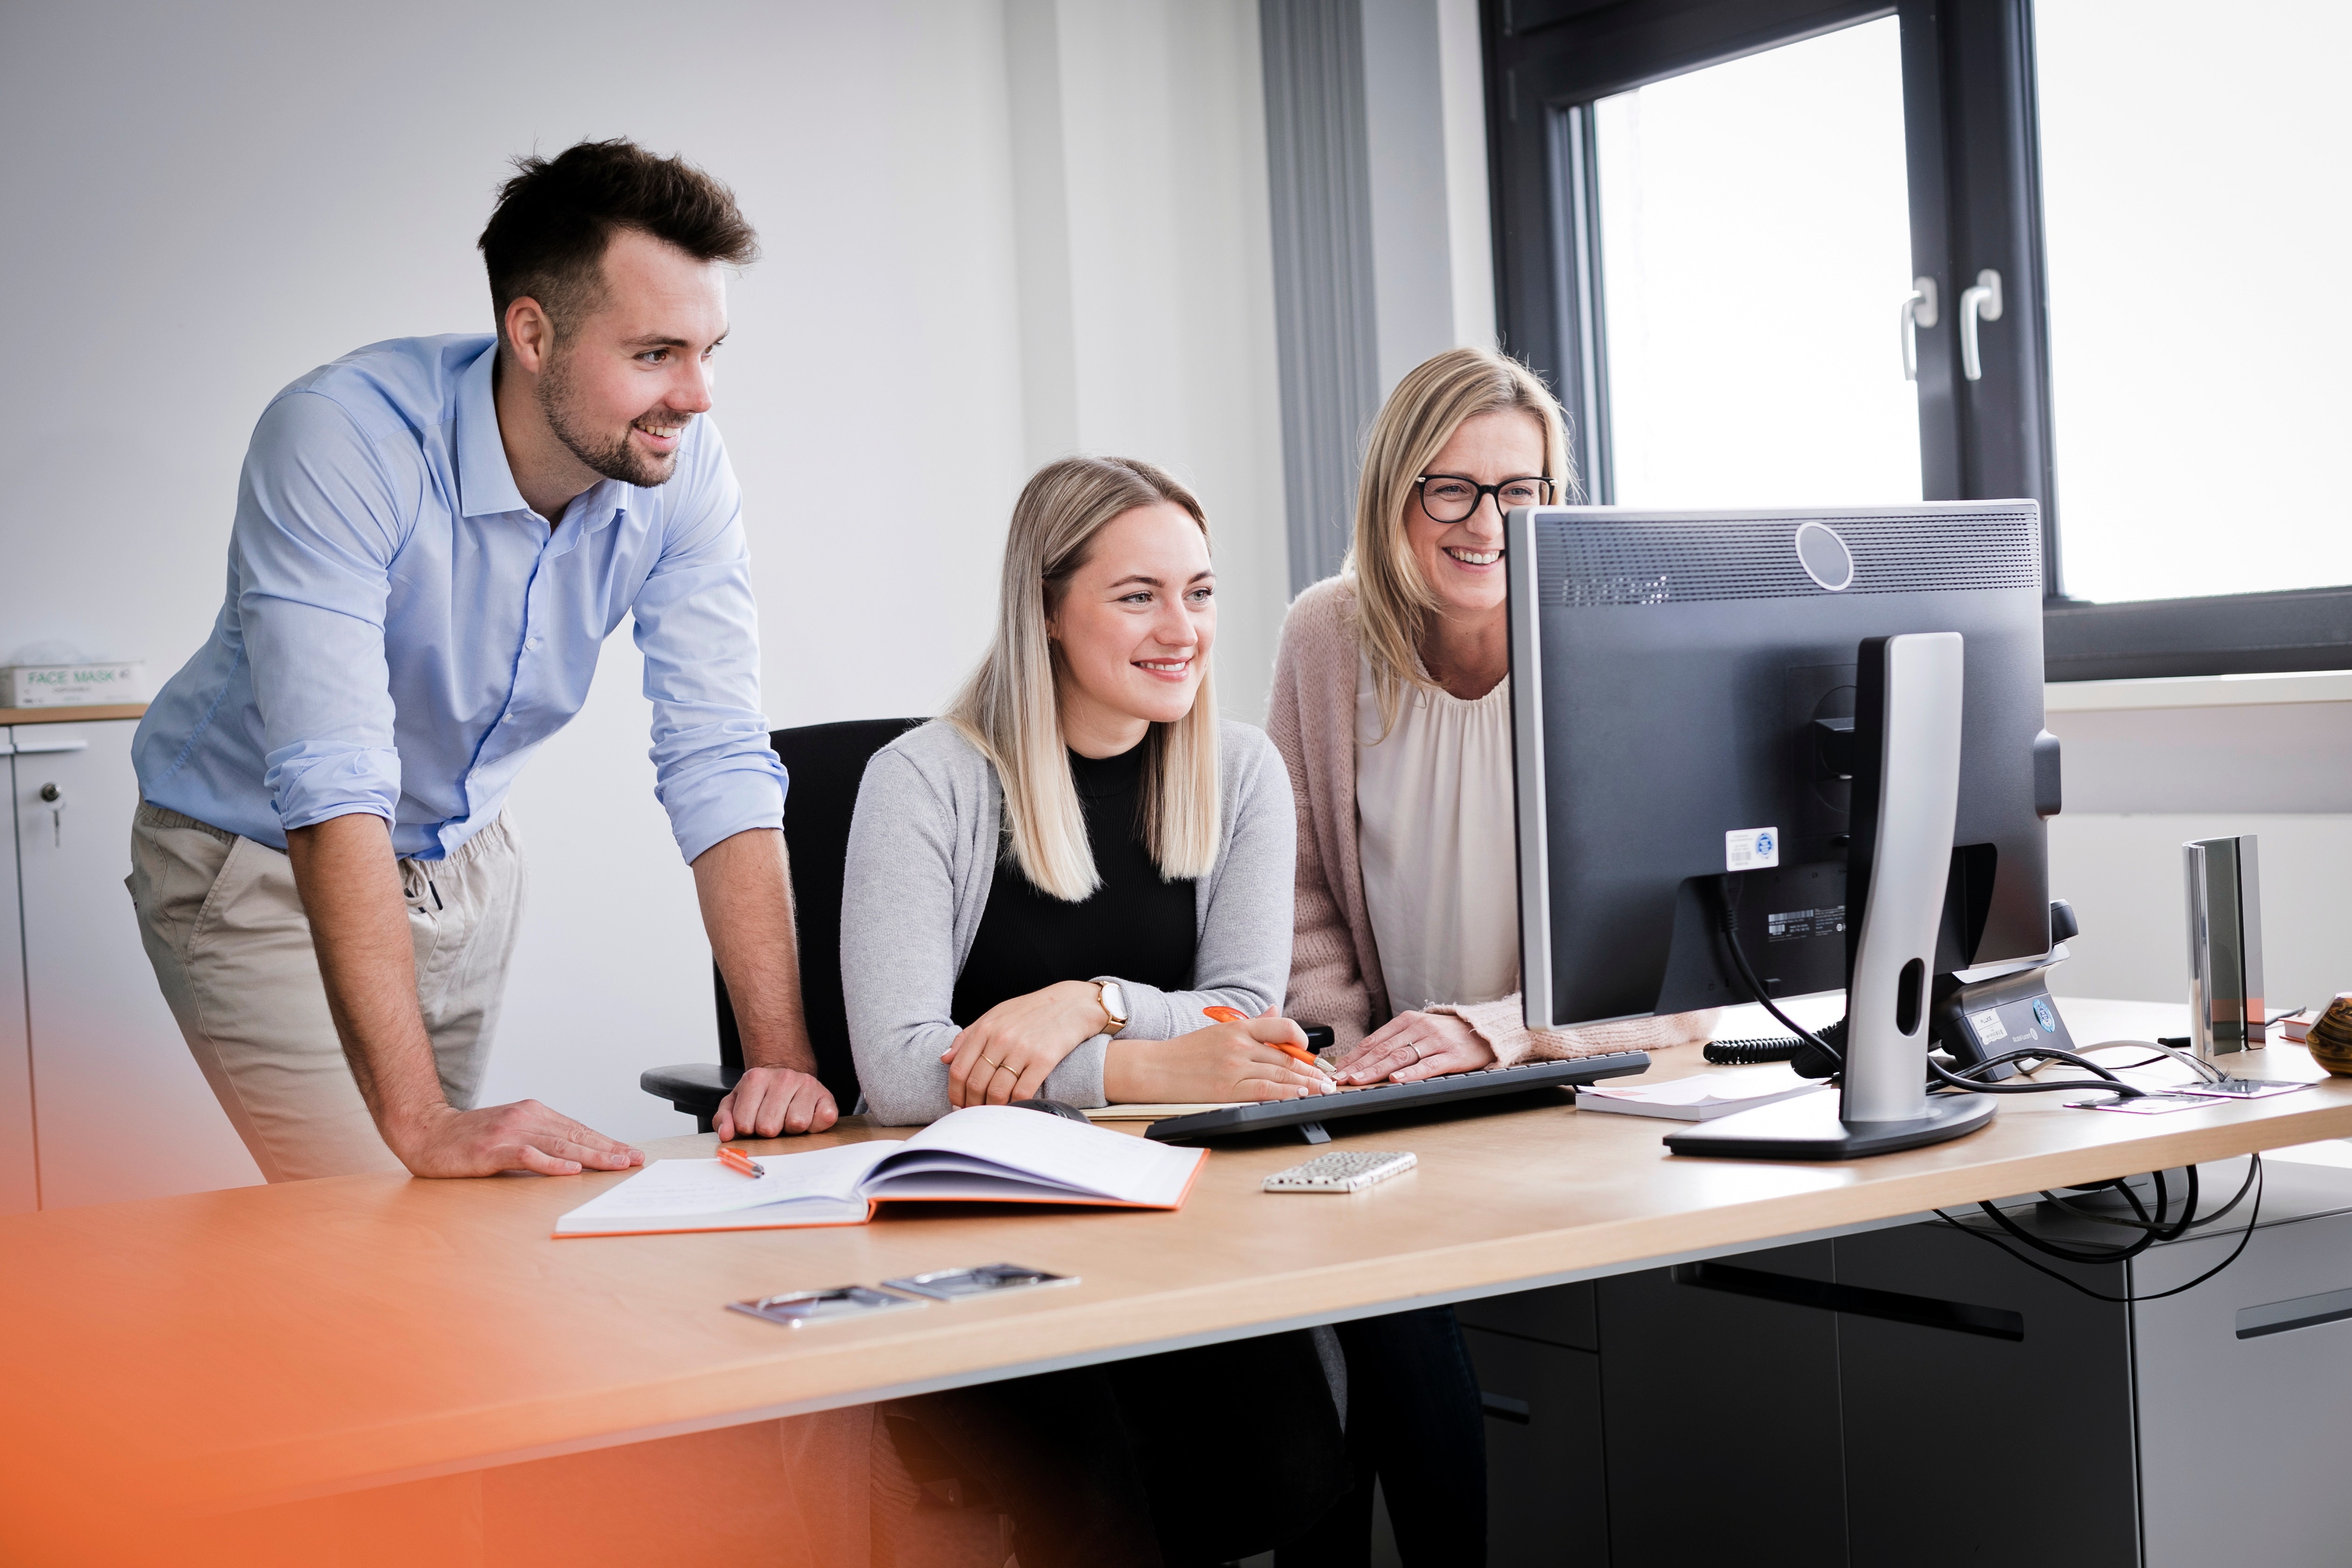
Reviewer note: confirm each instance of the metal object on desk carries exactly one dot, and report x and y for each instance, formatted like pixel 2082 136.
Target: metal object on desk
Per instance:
pixel 2242 1088
pixel 2225 946
pixel 798 1308
pixel 1342 1170
pixel 988 1279
pixel 2162 1104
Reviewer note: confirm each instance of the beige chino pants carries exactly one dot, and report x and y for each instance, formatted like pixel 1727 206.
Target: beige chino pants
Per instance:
pixel 225 929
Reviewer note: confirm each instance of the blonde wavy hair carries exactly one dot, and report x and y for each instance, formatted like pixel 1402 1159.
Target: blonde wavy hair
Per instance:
pixel 1394 599
pixel 1010 711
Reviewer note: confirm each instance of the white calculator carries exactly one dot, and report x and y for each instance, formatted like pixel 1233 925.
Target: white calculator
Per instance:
pixel 1342 1170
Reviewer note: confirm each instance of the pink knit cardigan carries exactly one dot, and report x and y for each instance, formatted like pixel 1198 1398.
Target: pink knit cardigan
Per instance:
pixel 1335 968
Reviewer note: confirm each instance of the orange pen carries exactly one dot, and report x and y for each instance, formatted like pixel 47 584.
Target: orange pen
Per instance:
pixel 734 1159
pixel 1235 1016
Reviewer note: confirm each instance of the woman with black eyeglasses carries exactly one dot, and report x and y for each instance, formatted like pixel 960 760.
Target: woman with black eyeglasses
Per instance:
pixel 1392 709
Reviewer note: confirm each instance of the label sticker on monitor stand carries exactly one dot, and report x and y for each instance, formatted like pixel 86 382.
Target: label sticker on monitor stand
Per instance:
pixel 1796 925
pixel 1751 848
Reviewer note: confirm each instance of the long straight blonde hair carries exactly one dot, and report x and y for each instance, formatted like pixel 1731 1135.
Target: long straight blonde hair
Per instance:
pixel 1009 708
pixel 1393 600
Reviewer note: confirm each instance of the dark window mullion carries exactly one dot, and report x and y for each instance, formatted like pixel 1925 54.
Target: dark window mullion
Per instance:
pixel 1994 221
pixel 1941 461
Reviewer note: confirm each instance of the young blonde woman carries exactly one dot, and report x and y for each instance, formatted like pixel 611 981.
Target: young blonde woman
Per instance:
pixel 1392 709
pixel 1047 887
pixel 1044 891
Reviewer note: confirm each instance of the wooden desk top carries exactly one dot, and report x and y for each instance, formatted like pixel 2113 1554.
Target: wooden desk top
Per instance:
pixel 69 715
pixel 263 1343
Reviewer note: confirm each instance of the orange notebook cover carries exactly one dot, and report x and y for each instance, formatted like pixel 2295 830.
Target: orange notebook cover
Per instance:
pixel 986 1153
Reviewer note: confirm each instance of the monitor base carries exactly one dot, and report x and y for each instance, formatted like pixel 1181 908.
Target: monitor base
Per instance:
pixel 1807 1128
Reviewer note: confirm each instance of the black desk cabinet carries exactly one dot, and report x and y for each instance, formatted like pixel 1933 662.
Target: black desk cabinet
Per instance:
pixel 1910 1398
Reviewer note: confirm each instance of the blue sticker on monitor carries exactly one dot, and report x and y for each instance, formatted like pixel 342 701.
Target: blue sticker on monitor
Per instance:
pixel 1751 848
pixel 2042 1014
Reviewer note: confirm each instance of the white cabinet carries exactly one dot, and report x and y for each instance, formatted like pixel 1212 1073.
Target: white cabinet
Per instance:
pixel 20 1177
pixel 119 1108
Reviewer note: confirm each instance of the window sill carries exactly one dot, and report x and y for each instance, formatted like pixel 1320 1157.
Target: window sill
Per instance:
pixel 2197 691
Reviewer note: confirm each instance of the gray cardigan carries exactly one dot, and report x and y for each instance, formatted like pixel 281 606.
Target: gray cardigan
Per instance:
pixel 923 851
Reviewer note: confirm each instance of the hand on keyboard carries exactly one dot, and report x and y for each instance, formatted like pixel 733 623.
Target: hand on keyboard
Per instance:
pixel 1260 1058
pixel 1415 1046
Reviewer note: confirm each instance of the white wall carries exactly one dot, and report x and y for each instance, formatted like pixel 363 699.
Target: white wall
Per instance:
pixel 1425 151
pixel 206 202
pixel 2149 764
pixel 1146 275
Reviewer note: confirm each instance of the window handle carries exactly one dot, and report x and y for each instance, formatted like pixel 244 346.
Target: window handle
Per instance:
pixel 1981 303
pixel 1918 311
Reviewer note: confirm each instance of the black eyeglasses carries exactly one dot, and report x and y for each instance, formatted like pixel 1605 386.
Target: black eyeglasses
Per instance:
pixel 1450 498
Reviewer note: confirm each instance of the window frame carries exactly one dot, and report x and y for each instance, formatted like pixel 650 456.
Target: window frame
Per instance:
pixel 1973 163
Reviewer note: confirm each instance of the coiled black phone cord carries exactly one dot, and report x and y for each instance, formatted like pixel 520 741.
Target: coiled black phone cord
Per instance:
pixel 1728 923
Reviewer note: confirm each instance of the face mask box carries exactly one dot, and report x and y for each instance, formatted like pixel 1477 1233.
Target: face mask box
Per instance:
pixel 72 684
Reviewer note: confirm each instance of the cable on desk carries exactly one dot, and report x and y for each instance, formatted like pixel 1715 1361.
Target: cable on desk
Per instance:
pixel 2160 1228
pixel 1752 1052
pixel 1960 1080
pixel 1726 922
pixel 2164 1049
pixel 2140 1222
pixel 2255 1180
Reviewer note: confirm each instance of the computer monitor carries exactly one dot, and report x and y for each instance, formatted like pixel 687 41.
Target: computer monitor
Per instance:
pixel 1831 721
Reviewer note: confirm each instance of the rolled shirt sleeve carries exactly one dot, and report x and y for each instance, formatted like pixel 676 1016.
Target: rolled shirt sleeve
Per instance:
pixel 318 525
pixel 402 630
pixel 699 629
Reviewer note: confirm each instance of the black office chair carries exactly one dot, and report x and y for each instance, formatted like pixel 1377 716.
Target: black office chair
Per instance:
pixel 826 762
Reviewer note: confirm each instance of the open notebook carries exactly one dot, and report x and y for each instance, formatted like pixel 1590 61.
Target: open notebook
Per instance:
pixel 984 1153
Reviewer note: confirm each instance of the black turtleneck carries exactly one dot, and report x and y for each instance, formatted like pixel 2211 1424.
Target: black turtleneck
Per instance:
pixel 1134 926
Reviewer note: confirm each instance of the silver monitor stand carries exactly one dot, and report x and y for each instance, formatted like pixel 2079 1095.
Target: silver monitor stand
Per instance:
pixel 1885 1104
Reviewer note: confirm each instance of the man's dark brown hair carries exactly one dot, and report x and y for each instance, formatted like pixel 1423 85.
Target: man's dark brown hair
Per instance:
pixel 555 218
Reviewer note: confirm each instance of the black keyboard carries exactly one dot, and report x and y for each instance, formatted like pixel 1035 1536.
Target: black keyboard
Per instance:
pixel 1310 1114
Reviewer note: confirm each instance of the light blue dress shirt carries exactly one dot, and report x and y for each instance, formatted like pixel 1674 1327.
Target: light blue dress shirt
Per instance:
pixel 401 631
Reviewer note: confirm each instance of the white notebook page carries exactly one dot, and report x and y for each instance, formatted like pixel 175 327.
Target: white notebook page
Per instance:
pixel 674 1189
pixel 1068 1153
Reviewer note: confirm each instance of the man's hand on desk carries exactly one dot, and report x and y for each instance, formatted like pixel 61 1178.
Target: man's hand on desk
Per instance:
pixel 768 1102
pixel 524 1136
pixel 1415 1046
pixel 745 888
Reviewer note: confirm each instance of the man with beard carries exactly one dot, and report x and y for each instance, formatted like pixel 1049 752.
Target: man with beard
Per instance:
pixel 433 538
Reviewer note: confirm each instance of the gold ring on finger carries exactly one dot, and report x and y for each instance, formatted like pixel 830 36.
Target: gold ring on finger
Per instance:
pixel 992 1061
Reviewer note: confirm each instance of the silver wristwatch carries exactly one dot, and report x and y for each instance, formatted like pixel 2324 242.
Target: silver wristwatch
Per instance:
pixel 1114 1004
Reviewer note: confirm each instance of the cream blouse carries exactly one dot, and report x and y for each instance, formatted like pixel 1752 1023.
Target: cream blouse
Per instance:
pixel 1434 833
